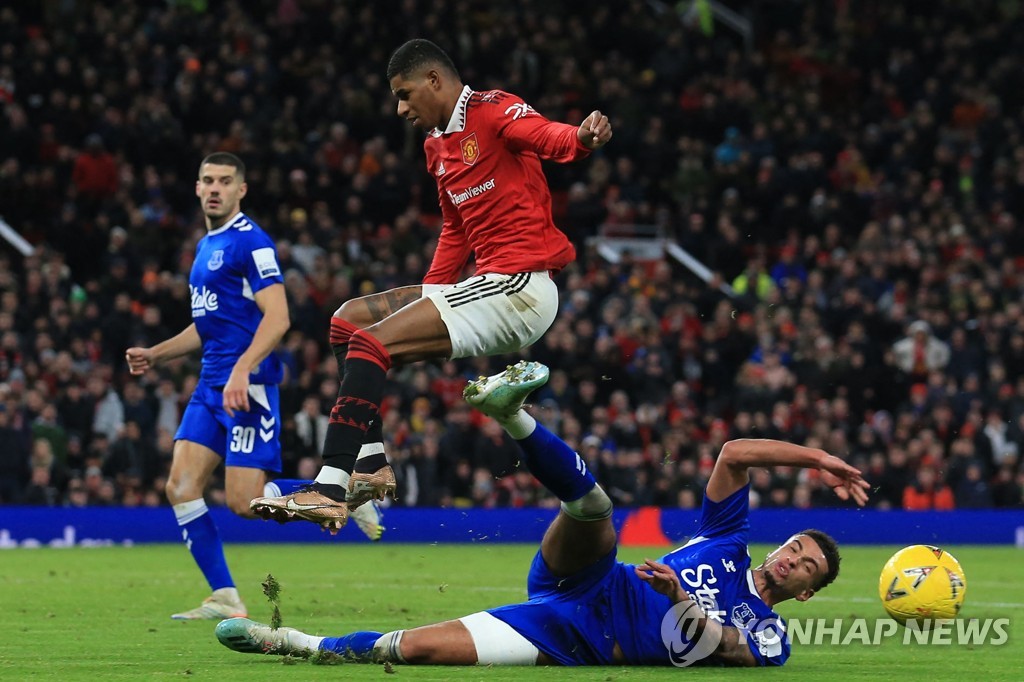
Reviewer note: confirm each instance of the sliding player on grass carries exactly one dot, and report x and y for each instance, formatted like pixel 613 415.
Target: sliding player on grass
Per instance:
pixel 701 601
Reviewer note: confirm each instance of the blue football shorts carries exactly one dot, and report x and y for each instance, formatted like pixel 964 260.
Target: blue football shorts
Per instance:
pixel 570 617
pixel 249 439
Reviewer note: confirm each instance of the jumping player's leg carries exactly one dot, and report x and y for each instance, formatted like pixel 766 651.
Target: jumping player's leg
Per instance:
pixel 413 333
pixel 360 313
pixel 484 315
pixel 352 316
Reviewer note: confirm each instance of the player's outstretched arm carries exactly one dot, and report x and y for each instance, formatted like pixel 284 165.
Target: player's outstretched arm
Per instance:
pixel 738 456
pixel 142 359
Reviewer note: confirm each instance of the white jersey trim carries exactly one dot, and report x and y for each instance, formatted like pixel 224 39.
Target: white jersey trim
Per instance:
pixel 228 225
pixel 258 392
pixel 751 585
pixel 457 121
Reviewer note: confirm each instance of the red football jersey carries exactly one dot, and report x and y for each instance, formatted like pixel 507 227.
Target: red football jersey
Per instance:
pixel 494 196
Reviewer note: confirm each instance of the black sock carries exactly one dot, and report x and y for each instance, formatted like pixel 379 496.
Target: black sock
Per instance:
pixel 341 334
pixel 358 404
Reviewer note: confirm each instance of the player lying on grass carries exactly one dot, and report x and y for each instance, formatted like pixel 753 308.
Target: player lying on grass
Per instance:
pixel 702 600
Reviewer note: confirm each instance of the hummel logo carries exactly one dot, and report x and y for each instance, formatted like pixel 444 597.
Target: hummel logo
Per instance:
pixel 266 435
pixel 267 422
pixel 519 110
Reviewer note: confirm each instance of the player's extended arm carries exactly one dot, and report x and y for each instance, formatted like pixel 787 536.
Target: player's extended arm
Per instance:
pixel 273 304
pixel 141 359
pixel 738 456
pixel 731 648
pixel 555 141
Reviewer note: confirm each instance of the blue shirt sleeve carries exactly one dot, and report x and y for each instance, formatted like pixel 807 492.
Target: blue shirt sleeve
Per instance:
pixel 726 517
pixel 258 260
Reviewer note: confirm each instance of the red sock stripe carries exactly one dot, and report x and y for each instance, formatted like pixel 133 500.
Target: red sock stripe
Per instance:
pixel 341 331
pixel 363 346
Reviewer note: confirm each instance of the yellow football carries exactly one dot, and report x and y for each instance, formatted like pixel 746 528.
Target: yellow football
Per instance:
pixel 922 583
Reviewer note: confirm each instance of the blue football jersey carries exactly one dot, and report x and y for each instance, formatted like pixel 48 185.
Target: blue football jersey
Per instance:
pixel 578 619
pixel 714 569
pixel 232 263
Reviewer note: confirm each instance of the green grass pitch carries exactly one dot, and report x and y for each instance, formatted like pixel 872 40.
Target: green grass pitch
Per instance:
pixel 102 614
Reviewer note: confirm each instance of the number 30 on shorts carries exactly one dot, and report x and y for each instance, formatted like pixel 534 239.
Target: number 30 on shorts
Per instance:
pixel 243 438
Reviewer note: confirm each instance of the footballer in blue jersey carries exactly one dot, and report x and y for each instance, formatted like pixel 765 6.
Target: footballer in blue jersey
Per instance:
pixel 703 603
pixel 239 314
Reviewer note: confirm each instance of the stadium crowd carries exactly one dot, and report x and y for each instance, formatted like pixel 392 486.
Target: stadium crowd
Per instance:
pixel 855 182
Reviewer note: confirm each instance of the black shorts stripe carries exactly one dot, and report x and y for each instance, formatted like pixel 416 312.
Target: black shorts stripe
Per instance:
pixel 510 287
pixel 456 295
pixel 485 287
pixel 517 283
pixel 476 298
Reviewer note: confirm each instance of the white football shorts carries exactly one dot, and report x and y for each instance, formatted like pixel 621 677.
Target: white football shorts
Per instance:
pixel 494 314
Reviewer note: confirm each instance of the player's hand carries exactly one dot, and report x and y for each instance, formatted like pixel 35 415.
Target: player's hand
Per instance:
pixel 236 392
pixel 662 578
pixel 139 360
pixel 846 481
pixel 595 131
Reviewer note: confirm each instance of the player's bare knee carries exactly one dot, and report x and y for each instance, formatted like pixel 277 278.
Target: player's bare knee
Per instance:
pixel 180 489
pixel 353 311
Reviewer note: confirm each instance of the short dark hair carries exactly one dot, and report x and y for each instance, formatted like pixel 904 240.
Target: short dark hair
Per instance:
pixel 417 54
pixel 225 159
pixel 831 551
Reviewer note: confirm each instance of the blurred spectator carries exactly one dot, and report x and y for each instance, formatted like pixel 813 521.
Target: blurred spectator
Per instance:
pixel 311 425
pixel 928 492
pixel 95 172
pixel 919 352
pixel 973 491
pixel 40 491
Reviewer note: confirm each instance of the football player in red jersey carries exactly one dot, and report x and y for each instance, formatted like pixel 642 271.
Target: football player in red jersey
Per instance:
pixel 484 149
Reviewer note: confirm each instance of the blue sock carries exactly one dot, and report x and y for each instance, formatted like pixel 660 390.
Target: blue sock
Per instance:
pixel 556 466
pixel 357 645
pixel 203 541
pixel 284 486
